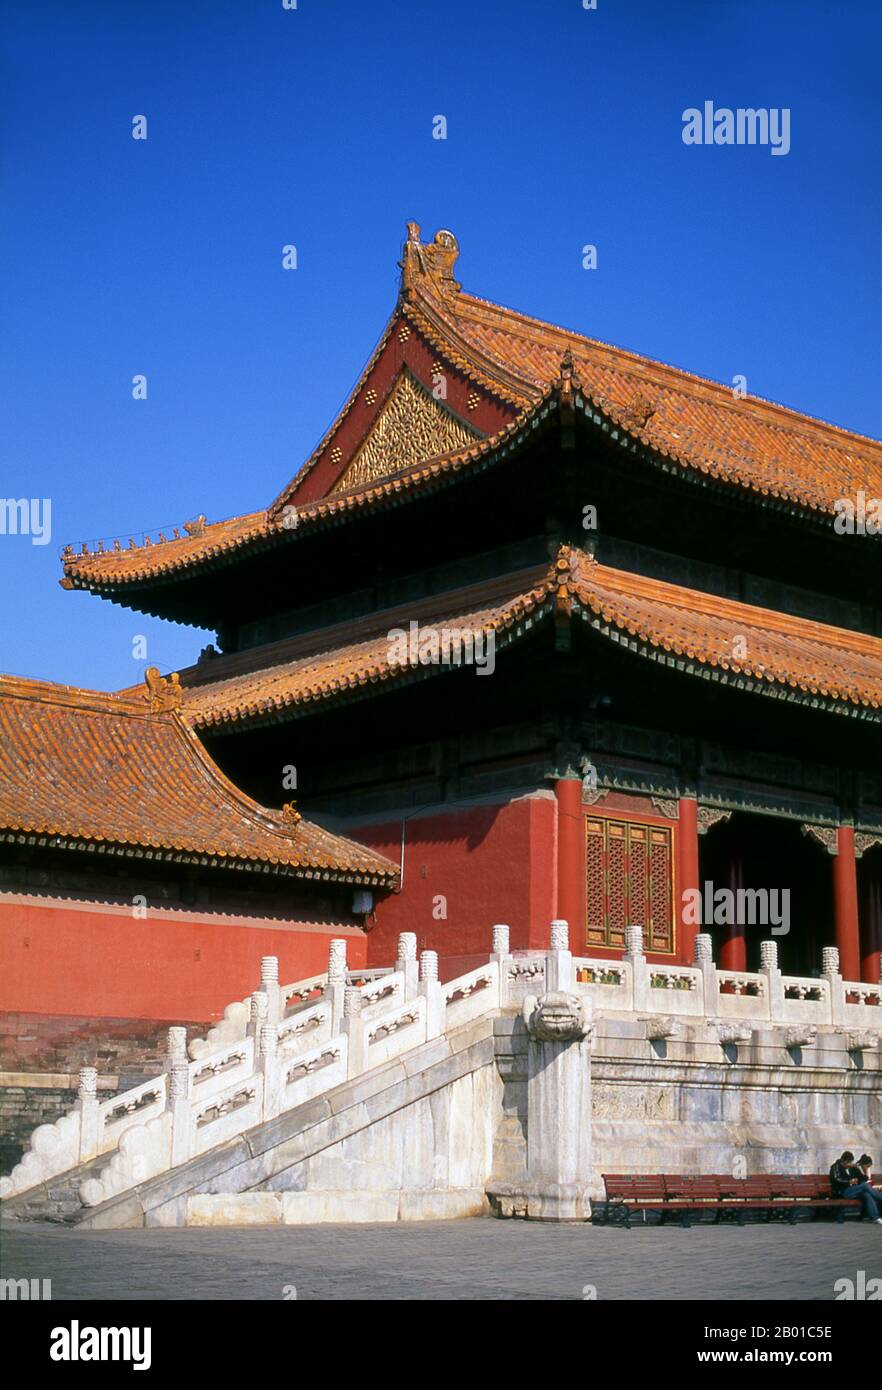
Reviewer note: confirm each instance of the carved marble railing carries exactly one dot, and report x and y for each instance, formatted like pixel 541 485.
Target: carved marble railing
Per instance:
pixel 700 991
pixel 381 993
pixel 520 974
pixel 262 1059
pixel 471 995
pixel 710 992
pixel 608 983
pixel 305 1028
pixel 344 1023
pixel 304 991
pixel 295 997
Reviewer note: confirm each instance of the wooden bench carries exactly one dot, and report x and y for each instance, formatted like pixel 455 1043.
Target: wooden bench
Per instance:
pixel 682 1196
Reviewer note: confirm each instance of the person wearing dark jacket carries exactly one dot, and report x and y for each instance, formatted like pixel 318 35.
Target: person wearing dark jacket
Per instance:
pixel 864 1171
pixel 848 1181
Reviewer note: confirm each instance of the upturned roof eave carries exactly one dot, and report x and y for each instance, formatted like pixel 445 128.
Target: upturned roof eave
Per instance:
pixel 584 592
pixel 274 838
pixel 431 475
pixel 431 306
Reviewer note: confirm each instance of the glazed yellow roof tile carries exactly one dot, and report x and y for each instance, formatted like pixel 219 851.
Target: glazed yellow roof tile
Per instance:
pixel 736 640
pixel 82 768
pixel 699 423
pixel 739 642
pixel 692 423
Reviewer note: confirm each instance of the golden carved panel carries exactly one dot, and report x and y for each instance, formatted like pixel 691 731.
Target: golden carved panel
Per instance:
pixel 411 426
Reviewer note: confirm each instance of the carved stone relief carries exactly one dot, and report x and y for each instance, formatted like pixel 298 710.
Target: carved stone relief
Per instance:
pixel 633 1103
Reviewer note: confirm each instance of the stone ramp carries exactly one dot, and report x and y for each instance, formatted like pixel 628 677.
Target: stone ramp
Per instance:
pixel 416 1131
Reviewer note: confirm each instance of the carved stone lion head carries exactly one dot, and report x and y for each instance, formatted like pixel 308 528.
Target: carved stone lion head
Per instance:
pixel 556 1017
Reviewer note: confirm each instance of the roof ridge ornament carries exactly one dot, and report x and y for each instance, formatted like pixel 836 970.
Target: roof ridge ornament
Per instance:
pixel 566 388
pixel 638 412
pixel 568 379
pixel 564 581
pixel 163 694
pixel 429 264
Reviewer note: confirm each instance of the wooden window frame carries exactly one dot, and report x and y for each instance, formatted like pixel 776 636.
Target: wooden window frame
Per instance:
pixel 649 824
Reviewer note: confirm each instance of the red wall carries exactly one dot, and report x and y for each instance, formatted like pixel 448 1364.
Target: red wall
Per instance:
pixel 66 958
pixel 493 863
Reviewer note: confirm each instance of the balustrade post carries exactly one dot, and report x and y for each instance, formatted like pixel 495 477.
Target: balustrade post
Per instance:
pixel 355 1030
pixel 703 958
pixel 501 952
pixel 635 956
pixel 179 1094
pixel 407 963
pixel 336 987
pixel 433 994
pixel 269 984
pixel 559 972
pixel 270 1064
pixel 830 972
pixel 87 1105
pixel 774 979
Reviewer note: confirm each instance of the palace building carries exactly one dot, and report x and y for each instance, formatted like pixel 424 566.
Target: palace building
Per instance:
pixel 542 629
pixel 137 884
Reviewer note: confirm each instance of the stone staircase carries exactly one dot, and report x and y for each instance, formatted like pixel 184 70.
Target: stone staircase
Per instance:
pixel 386 1095
pixel 270 1059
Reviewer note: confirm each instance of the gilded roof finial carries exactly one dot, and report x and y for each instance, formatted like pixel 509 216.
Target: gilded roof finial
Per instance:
pixel 163 694
pixel 430 265
pixel 290 815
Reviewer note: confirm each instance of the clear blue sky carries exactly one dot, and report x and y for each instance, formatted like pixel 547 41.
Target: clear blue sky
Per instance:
pixel 313 126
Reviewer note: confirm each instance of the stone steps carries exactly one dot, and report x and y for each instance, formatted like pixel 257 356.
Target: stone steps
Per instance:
pixel 55 1200
pixel 258 1160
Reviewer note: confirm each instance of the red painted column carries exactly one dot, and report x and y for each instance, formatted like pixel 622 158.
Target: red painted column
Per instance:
pixel 871 919
pixel 733 947
pixel 687 876
pixel 845 904
pixel 571 859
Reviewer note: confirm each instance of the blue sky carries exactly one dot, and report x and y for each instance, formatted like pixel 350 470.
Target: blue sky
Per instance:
pixel 313 126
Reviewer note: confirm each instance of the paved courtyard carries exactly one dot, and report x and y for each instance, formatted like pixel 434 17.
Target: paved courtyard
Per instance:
pixel 476 1259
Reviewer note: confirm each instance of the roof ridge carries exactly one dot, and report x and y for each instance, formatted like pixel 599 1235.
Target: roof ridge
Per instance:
pixel 762 447
pixel 668 368
pixel 716 605
pixel 798 651
pixel 265 816
pixel 77 697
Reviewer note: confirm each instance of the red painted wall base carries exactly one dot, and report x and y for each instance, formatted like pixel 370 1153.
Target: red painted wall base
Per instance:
pixel 99 961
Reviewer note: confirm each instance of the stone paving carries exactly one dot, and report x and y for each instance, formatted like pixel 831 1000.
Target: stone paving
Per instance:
pixel 473 1259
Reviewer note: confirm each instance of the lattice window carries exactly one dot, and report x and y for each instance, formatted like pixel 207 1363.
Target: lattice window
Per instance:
pixel 629 867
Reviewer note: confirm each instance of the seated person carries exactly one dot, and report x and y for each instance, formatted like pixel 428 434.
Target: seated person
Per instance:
pixel 850 1182
pixel 863 1171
